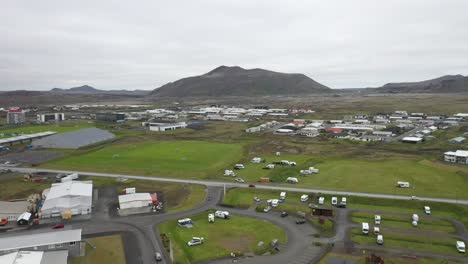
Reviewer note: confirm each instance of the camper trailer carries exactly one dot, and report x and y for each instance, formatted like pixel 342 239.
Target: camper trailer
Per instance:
pixel 304 197
pixel 402 184
pixel 377 219
pixel 334 201
pixel 321 200
pixel 292 180
pixel 283 196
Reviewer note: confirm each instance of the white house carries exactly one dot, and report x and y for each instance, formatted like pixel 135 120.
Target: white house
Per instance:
pixel 459 156
pixel 166 126
pixel 73 197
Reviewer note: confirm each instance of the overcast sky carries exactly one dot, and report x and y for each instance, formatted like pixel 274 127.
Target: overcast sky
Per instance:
pixel 145 44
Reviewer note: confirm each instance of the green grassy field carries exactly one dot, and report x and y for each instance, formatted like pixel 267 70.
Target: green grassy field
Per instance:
pixel 410 241
pixel 165 158
pixel 30 129
pixel 404 222
pixel 242 197
pixel 375 175
pixel 177 196
pixel 16 188
pixel 361 259
pixel 238 234
pixel 109 249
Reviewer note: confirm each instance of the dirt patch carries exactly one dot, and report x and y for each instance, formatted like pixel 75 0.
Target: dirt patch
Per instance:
pixel 240 244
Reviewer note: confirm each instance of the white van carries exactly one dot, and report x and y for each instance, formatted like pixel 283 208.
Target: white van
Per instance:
pixel 379 239
pixel 211 218
pixel 321 200
pixel 282 195
pixel 304 197
pixel 334 201
pixel 461 246
pixel 365 228
pixel 377 219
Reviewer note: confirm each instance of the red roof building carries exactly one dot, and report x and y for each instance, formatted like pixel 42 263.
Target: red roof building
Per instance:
pixel 334 129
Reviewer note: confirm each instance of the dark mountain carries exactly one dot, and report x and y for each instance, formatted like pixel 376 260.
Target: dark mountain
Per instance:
pixel 444 84
pixel 236 81
pixel 86 89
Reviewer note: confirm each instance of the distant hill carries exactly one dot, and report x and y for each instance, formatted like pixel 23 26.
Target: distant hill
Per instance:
pixel 86 89
pixel 444 84
pixel 236 81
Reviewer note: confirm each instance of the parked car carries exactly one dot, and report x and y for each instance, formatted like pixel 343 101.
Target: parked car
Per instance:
pixel 257 199
pixel 267 209
pixel 414 197
pixel 3 221
pixel 58 226
pixel 461 246
pixel 195 241
pixel 157 256
pixel 380 239
pixel 427 210
pixel 239 166
pixel 211 218
pixel 334 201
pixel 284 214
pixel 300 221
pixel 222 214
pixel 239 180
pixel 252 185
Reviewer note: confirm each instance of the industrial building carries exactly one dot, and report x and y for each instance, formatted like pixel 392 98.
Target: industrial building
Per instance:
pixel 459 156
pixel 15 116
pixel 110 117
pixel 74 139
pixel 13 210
pixel 67 199
pixel 54 117
pixel 25 138
pixel 165 126
pixel 137 200
pixel 68 240
pixel 35 257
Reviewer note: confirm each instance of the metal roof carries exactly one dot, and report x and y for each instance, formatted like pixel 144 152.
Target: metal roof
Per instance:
pixel 39 239
pixel 127 198
pixel 27 136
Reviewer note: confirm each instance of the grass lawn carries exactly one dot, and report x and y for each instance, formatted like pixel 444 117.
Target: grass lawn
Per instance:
pixel 238 234
pixel 361 259
pixel 166 158
pixel 404 222
pixel 411 241
pixel 374 175
pixel 16 188
pixel 109 249
pixel 242 197
pixel 177 196
pixel 30 129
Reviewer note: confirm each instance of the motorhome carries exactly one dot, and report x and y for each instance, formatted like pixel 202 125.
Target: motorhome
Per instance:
pixel 379 239
pixel 292 180
pixel 274 202
pixel 304 197
pixel 283 196
pixel 334 201
pixel 321 200
pixel 343 200
pixel 365 228
pixel 185 222
pixel 427 210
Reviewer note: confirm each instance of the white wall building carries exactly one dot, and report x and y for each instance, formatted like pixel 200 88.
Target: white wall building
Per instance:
pixel 459 156
pixel 135 200
pixel 166 126
pixel 54 117
pixel 73 196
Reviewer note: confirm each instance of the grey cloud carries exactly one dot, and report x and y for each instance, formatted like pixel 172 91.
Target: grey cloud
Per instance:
pixel 144 44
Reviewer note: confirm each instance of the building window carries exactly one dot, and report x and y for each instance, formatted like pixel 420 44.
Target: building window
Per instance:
pixel 72 243
pixel 51 246
pixel 59 245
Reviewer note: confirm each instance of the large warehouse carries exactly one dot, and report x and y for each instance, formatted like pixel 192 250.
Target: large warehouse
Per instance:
pixel 72 198
pixel 74 139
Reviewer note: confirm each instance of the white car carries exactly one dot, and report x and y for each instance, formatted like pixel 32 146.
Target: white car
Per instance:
pixel 195 241
pixel 267 209
pixel 222 214
pixel 257 199
pixel 239 166
pixel 461 246
pixel 427 210
pixel 239 180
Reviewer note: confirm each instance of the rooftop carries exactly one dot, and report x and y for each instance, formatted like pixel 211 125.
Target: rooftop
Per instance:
pixel 39 239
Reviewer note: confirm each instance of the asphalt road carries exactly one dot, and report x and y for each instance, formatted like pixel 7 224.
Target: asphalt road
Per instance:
pixel 231 184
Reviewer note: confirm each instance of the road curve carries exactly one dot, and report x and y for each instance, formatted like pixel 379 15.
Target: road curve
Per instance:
pixel 230 184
